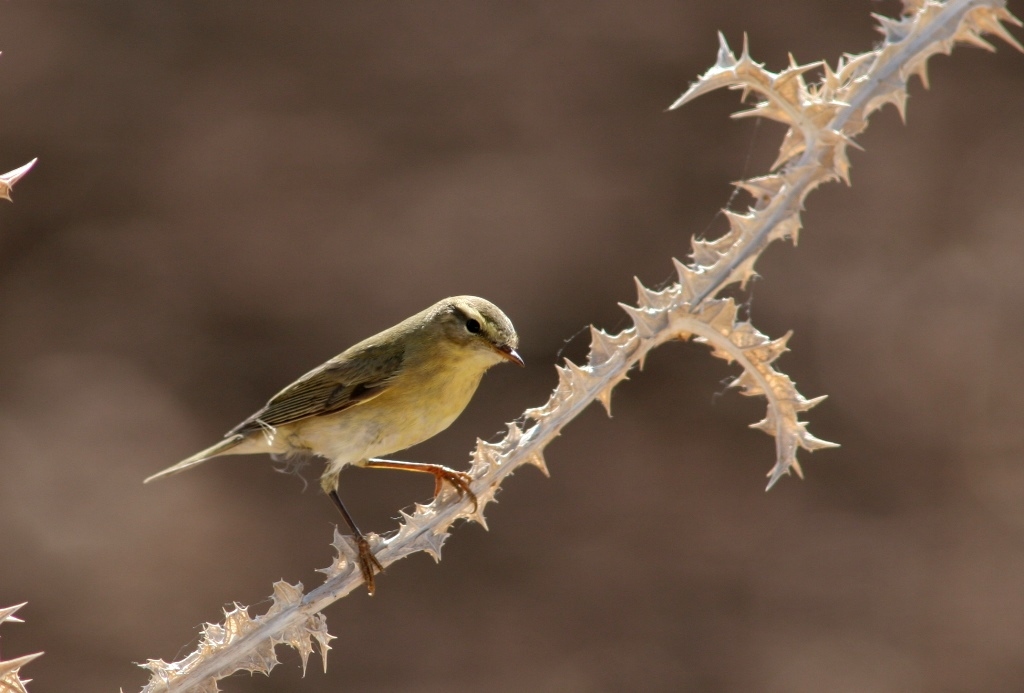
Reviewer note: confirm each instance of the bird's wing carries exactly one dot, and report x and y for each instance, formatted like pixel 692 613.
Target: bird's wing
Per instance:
pixel 342 382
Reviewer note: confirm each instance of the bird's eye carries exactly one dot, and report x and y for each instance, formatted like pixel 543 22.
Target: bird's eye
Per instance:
pixel 473 326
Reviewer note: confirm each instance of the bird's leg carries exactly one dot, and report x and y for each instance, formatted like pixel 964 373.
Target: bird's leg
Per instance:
pixel 367 561
pixel 459 480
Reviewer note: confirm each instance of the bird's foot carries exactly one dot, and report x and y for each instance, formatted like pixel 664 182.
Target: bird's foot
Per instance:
pixel 460 481
pixel 367 563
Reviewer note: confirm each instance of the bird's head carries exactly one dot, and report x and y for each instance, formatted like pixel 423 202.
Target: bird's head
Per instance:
pixel 474 323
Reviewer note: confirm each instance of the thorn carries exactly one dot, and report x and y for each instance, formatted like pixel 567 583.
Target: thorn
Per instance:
pixel 7 613
pixel 602 346
pixel 537 460
pixel 8 180
pixel 725 56
pixel 605 398
pixel 12 665
pixel 645 322
pixel 642 293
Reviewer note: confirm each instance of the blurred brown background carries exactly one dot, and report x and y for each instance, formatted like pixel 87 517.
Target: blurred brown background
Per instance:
pixel 229 193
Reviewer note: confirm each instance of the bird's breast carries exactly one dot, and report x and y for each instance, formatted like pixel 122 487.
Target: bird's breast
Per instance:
pixel 417 406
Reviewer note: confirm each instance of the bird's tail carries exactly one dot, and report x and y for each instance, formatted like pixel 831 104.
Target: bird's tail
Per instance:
pixel 213 451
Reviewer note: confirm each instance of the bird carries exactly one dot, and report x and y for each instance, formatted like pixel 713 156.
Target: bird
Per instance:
pixel 381 395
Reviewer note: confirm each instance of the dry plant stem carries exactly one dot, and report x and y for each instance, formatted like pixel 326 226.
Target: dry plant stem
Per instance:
pixel 881 75
pixel 823 117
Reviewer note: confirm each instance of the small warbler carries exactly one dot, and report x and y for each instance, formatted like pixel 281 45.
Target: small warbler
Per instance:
pixel 384 394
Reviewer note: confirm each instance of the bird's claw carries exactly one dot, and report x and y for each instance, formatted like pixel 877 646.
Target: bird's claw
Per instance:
pixel 460 481
pixel 367 563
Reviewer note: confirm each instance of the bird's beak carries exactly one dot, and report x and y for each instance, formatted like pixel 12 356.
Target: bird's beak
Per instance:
pixel 509 354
